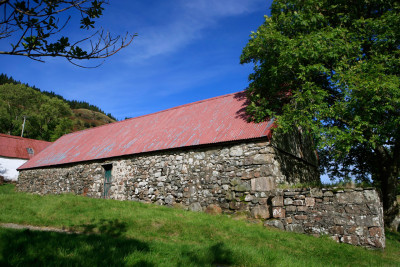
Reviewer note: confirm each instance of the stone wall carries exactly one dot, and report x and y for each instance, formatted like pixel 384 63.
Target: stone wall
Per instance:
pixel 203 175
pixel 353 216
pixel 235 177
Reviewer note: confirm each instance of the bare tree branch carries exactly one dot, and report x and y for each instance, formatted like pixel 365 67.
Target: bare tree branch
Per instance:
pixel 38 24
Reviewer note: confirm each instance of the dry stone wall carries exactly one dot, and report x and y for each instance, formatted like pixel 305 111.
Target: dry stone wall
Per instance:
pixel 229 178
pixel 353 216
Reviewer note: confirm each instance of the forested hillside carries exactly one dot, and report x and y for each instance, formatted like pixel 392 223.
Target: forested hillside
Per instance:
pixel 48 116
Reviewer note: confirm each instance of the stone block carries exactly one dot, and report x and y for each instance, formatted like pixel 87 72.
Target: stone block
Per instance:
pixel 248 198
pixel 235 181
pixel 236 151
pixel 277 201
pixel 243 187
pixel 350 197
pixel 337 230
pixel 375 232
pixel 300 217
pixel 291 208
pixel 352 209
pixel 263 159
pixel 169 200
pixel 371 196
pixel 267 170
pixel 274 223
pixel 230 195
pixel 213 209
pixel 310 201
pixel 297 228
pixel 246 176
pixel 374 208
pixel 350 239
pixel 195 207
pixel 316 192
pixel 327 200
pixel 278 212
pixel 291 193
pixel 339 221
pixel 288 201
pixel 302 208
pixel 263 200
pixel 298 202
pixel 261 212
pixel 234 205
pixel 263 184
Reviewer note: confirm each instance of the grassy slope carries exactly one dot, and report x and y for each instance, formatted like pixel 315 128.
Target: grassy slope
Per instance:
pixel 136 234
pixel 84 118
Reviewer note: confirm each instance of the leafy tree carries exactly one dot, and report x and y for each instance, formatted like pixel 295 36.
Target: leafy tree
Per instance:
pixel 74 104
pixel 332 67
pixel 45 116
pixel 65 125
pixel 33 28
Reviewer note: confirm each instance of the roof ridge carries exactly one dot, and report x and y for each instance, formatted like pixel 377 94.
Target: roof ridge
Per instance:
pixel 22 138
pixel 157 112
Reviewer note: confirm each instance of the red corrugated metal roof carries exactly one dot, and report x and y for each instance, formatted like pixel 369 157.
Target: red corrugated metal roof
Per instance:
pixel 214 120
pixel 16 147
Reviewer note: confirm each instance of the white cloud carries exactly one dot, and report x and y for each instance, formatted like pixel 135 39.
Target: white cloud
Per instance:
pixel 186 22
pixel 221 8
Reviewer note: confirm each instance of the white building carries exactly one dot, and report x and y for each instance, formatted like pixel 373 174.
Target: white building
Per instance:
pixel 15 151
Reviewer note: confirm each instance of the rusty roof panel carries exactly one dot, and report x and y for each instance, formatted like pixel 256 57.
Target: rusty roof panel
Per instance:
pixel 215 120
pixel 17 147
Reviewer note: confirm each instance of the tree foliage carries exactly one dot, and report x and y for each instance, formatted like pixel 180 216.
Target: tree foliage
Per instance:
pixel 33 27
pixel 45 115
pixel 74 104
pixel 333 68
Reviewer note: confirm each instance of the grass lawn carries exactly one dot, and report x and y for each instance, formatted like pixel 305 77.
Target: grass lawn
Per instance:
pixel 125 233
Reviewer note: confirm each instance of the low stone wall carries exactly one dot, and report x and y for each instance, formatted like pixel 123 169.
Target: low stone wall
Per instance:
pixel 353 216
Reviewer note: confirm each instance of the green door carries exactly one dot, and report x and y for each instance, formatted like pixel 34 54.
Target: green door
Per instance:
pixel 107 180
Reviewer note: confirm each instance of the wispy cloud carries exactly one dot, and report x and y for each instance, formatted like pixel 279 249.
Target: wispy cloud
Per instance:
pixel 186 23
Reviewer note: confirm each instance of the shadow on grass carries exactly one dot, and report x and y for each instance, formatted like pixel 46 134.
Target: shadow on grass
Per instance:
pixel 114 228
pixel 35 248
pixel 101 243
pixel 216 255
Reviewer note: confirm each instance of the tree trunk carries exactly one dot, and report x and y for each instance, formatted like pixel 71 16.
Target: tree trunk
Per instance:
pixel 391 209
pixel 388 181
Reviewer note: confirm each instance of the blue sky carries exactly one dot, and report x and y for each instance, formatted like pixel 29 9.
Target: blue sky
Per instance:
pixel 185 51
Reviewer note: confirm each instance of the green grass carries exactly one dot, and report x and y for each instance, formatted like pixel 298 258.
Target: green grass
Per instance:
pixel 124 233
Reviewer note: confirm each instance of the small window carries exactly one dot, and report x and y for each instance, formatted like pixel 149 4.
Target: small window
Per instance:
pixel 30 151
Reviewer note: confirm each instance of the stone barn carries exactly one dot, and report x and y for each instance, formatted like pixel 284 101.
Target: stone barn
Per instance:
pixel 207 156
pixel 197 154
